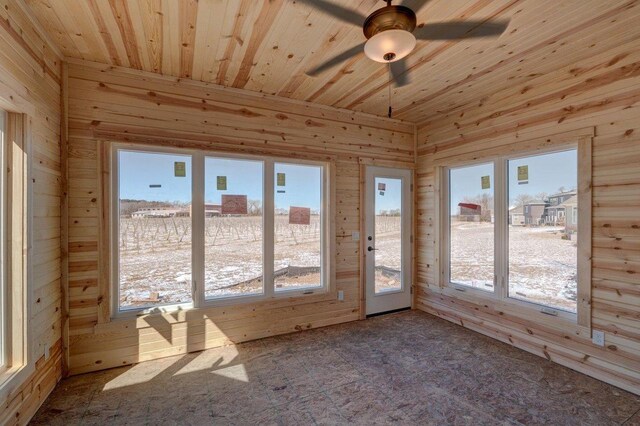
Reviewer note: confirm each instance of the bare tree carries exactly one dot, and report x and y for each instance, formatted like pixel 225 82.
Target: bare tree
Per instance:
pixel 523 199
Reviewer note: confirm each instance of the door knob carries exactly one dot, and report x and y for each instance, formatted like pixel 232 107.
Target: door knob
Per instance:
pixel 371 248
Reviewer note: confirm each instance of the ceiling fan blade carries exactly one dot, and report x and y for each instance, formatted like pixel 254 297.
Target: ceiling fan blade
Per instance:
pixel 399 73
pixel 415 5
pixel 342 13
pixel 459 30
pixel 336 60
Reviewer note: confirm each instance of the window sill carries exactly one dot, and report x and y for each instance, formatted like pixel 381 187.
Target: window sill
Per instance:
pixel 218 307
pixel 565 322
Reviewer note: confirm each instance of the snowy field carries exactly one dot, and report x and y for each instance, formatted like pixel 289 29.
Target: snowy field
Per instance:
pixel 542 266
pixel 155 255
pixel 155 258
pixel 389 254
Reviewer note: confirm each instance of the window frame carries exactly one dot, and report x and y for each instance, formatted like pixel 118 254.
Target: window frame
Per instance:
pixel 17 222
pixel 446 220
pixel 4 276
pixel 578 322
pixel 199 299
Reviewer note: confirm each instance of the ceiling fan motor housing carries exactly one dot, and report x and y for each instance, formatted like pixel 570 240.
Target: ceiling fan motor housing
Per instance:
pixel 389 18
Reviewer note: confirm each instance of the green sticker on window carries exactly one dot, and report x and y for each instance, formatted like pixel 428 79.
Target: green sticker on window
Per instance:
pixel 280 179
pixel 486 182
pixel 523 173
pixel 221 182
pixel 180 169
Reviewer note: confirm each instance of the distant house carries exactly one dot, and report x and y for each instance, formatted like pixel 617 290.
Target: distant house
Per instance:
pixel 534 212
pixel 571 209
pixel 555 212
pixel 516 216
pixel 470 212
pixel 211 210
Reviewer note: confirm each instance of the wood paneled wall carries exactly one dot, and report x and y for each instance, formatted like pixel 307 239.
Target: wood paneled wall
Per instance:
pixel 109 104
pixel 601 93
pixel 30 69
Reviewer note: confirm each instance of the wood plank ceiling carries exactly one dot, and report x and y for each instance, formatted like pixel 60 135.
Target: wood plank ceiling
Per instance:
pixel 266 46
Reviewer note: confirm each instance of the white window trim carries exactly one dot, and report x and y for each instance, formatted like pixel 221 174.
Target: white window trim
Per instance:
pixel 578 322
pixel 199 300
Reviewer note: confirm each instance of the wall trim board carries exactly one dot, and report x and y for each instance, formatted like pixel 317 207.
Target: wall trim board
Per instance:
pixel 180 86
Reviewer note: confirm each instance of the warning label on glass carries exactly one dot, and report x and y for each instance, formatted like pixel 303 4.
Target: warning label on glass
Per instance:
pixel 486 182
pixel 299 215
pixel 234 204
pixel 180 169
pixel 221 183
pixel 523 174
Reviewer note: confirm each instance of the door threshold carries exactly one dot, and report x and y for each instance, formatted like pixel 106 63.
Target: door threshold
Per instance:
pixel 408 308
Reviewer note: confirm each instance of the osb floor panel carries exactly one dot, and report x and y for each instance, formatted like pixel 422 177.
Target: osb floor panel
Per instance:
pixel 406 368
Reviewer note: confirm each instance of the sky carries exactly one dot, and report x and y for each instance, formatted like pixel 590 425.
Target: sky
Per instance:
pixel 547 173
pixel 138 170
pixel 392 198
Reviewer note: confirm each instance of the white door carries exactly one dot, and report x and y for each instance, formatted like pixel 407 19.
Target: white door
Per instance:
pixel 387 239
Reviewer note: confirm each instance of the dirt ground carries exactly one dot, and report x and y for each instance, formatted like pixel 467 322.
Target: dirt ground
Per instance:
pixel 542 267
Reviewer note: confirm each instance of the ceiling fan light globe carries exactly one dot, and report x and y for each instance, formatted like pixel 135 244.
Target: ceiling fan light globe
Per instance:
pixel 398 42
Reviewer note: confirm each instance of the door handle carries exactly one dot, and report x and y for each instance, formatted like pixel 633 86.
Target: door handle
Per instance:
pixel 371 248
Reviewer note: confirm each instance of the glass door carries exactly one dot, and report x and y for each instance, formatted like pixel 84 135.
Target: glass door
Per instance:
pixel 387 239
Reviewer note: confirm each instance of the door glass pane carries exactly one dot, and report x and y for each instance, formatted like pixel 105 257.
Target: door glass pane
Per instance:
pixel 297 226
pixel 471 255
pixel 154 223
pixel 233 227
pixel 388 234
pixel 543 225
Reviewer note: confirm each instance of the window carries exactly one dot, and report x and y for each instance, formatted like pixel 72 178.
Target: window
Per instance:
pixel 233 238
pixel 192 229
pixel 388 234
pixel 511 230
pixel 542 256
pixel 471 226
pixel 297 226
pixel 154 223
pixel 15 251
pixel 4 294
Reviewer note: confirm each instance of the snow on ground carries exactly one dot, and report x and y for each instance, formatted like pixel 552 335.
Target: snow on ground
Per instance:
pixel 542 265
pixel 155 257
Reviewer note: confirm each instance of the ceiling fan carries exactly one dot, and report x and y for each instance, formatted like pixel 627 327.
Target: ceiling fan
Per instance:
pixel 391 34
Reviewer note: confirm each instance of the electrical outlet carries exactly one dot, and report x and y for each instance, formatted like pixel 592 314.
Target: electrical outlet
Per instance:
pixel 340 295
pixel 46 351
pixel 597 337
pixel 355 236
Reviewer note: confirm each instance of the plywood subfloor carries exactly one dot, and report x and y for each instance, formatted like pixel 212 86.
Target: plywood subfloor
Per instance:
pixel 406 368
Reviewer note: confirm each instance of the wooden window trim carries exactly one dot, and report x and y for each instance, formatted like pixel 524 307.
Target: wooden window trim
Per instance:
pixel 106 318
pixel 19 356
pixel 582 139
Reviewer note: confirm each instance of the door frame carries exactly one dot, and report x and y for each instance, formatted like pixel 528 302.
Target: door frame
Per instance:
pixel 364 164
